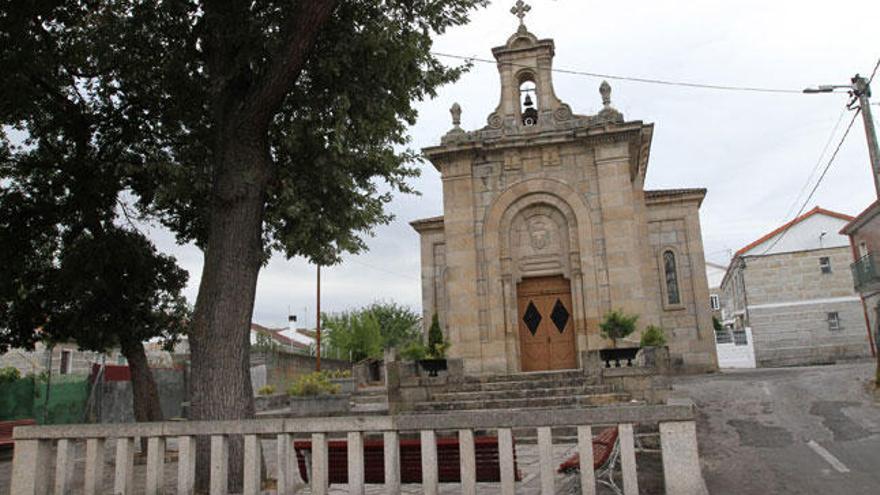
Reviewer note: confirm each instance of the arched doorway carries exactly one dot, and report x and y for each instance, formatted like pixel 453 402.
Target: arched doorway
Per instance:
pixel 546 324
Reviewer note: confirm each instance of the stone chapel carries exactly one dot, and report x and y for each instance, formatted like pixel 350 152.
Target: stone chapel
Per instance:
pixel 547 226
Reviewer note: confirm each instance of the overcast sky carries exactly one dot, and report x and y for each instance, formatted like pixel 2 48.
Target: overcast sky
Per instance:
pixel 753 151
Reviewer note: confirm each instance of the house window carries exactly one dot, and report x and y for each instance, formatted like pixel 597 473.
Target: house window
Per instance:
pixel 825 264
pixel 834 321
pixel 65 363
pixel 672 296
pixel 714 302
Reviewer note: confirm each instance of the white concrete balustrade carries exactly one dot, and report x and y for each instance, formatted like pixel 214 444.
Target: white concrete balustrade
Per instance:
pixel 41 450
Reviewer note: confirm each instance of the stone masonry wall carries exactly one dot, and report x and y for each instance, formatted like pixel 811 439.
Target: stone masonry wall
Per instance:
pixel 789 301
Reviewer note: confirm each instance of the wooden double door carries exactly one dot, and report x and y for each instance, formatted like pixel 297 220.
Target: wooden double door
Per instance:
pixel 546 324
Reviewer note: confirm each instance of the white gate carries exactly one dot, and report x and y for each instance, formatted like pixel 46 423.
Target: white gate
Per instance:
pixel 735 348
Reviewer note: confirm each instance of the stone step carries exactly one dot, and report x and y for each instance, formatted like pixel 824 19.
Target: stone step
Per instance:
pixel 527 376
pixel 492 386
pixel 540 402
pixel 369 399
pixel 523 393
pixel 365 391
pixel 375 408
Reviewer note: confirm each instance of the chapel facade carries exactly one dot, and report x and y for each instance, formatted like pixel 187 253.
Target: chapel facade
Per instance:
pixel 547 226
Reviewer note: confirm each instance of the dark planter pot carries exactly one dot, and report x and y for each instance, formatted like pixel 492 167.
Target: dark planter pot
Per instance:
pixel 617 355
pixel 432 366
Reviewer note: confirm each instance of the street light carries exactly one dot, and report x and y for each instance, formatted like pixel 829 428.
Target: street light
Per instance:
pixel 860 91
pixel 826 88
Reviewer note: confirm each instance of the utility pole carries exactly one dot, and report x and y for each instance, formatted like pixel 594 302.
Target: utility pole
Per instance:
pixel 318 325
pixel 860 90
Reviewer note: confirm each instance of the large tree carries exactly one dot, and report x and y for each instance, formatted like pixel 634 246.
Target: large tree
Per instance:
pixel 244 126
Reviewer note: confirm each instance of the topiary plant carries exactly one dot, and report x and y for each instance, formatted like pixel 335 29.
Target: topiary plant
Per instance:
pixel 618 325
pixel 312 384
pixel 653 336
pixel 436 344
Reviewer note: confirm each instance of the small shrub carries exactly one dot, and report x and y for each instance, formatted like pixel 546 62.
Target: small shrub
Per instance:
pixel 653 336
pixel 437 346
pixel 266 390
pixel 311 385
pixel 618 325
pixel 338 374
pixel 9 374
pixel 414 351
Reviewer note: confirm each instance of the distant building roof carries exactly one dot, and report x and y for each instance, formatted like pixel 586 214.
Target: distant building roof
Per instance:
pixel 815 211
pixel 277 336
pixel 862 218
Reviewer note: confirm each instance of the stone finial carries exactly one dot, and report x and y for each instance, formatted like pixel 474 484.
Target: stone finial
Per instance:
pixel 605 91
pixel 456 115
pixel 520 10
pixel 608 112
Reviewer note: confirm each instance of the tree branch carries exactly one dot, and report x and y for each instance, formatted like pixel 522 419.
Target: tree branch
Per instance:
pixel 288 62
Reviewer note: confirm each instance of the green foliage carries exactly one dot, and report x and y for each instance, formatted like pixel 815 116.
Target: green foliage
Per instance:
pixel 355 334
pixel 618 325
pixel 313 384
pixel 337 374
pixel 716 324
pixel 266 390
pixel 653 336
pixel 414 351
pixel 365 332
pixel 9 374
pixel 435 349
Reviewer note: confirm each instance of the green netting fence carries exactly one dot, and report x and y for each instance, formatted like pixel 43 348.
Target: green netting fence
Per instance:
pixel 63 402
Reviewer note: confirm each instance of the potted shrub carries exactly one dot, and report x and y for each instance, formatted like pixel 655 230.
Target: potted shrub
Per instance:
pixel 431 358
pixel 652 338
pixel 618 325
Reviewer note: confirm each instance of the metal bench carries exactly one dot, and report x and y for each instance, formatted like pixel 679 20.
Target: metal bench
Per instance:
pixel 6 428
pixel 606 453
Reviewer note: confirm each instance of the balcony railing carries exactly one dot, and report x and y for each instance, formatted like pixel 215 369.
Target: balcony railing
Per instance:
pixel 36 447
pixel 864 272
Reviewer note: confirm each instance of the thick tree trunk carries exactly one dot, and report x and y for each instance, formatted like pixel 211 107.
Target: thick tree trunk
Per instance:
pixel 144 392
pixel 220 340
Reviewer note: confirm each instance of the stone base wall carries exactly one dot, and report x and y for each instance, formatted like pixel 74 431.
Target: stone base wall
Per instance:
pixel 799 335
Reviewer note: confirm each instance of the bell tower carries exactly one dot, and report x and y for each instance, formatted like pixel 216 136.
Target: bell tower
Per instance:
pixel 525 66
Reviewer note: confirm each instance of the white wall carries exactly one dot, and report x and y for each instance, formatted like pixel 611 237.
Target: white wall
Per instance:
pixel 805 235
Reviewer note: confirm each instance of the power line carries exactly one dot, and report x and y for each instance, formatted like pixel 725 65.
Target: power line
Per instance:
pixel 664 82
pixel 816 186
pixel 818 163
pixel 410 277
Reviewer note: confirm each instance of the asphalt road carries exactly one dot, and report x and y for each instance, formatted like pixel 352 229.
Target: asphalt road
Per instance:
pixel 809 430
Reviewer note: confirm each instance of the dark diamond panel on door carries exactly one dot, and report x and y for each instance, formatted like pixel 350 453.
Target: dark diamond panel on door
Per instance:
pixel 559 316
pixel 532 318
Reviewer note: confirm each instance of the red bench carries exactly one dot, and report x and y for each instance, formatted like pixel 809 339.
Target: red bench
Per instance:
pixel 485 450
pixel 6 428
pixel 603 446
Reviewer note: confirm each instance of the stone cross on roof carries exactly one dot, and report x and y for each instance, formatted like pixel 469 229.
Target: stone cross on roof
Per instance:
pixel 520 10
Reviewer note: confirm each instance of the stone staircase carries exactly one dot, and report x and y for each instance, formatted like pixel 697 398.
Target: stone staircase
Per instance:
pixel 369 400
pixel 522 391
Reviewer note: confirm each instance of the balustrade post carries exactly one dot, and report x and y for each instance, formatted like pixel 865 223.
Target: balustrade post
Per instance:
pixel 320 476
pixel 430 477
pixel 252 465
pixel 94 477
pixel 30 467
pixel 287 466
pixel 391 447
pixel 155 466
pixel 219 484
pixel 63 466
pixel 467 462
pixel 123 482
pixel 186 465
pixel 585 453
pixel 505 461
pixel 681 459
pixel 355 463
pixel 628 459
pixel 545 459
